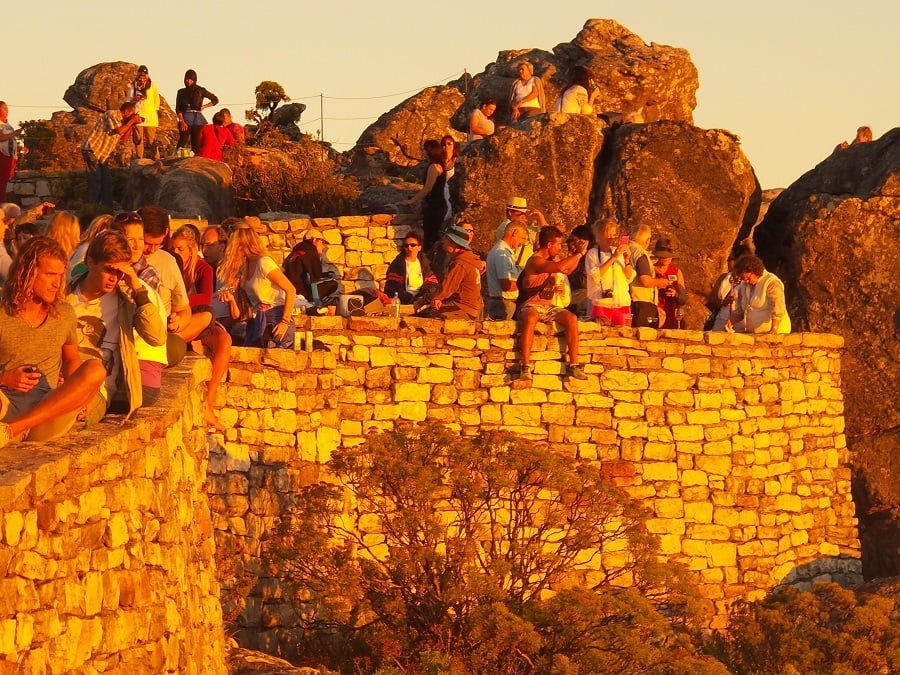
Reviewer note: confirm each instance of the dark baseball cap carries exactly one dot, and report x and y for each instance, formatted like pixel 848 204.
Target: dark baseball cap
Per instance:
pixel 143 69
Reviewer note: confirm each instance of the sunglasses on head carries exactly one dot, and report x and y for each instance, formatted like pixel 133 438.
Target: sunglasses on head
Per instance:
pixel 128 217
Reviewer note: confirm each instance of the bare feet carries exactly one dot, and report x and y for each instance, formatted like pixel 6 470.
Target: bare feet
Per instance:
pixel 212 421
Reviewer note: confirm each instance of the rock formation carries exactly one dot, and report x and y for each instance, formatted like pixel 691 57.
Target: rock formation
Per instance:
pixel 632 76
pixel 396 137
pixel 286 117
pixel 97 89
pixel 185 187
pixel 832 237
pixel 692 185
pixel 549 160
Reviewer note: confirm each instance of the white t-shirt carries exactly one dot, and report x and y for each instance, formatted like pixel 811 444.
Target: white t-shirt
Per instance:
pixel 172 292
pixel 98 334
pixel 8 147
pixel 258 287
pixel 148 352
pixel 414 279
pixel 614 279
pixel 521 90
pixel 573 100
pixel 482 121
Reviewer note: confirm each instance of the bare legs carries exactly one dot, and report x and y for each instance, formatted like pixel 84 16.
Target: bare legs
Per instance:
pixel 218 342
pixel 528 321
pixel 75 393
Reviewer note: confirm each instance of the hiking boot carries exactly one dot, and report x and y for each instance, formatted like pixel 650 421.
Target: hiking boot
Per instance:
pixel 5 436
pixel 575 371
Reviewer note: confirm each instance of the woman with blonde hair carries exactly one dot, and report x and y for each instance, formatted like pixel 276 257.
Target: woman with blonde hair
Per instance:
pixel 608 272
pixel 526 96
pixel 197 273
pixel 247 266
pixel 76 257
pixel 65 231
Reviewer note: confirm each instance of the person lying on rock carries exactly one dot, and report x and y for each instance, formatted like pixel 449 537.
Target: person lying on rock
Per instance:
pixel 759 306
pixel 39 349
pixel 538 286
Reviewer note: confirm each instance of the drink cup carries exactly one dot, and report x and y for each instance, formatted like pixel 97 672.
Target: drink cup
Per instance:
pixel 627 318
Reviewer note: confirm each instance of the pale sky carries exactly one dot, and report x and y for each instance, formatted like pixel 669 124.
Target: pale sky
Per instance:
pixel 791 77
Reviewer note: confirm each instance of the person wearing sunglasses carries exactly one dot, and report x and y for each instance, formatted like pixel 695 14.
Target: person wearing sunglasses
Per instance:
pixel 409 276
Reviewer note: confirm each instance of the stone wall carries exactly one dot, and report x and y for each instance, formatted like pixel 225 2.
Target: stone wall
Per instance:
pixel 30 188
pixel 734 443
pixel 360 248
pixel 107 549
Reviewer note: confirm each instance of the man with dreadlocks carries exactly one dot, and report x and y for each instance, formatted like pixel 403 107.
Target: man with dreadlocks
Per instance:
pixel 38 345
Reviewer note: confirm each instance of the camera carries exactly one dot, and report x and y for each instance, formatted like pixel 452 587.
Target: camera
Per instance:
pixel 607 293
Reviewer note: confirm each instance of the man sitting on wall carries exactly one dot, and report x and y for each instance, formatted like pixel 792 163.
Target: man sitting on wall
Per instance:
pixel 109 314
pixel 503 272
pixel 38 344
pixel 537 287
pixel 459 295
pixel 303 268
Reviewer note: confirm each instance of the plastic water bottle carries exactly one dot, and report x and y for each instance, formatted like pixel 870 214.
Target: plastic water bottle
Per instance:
pixel 395 306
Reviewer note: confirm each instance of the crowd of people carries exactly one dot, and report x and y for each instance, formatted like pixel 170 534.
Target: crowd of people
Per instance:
pixel 91 313
pixel 136 122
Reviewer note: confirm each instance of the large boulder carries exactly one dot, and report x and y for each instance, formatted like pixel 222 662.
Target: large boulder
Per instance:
pixel 97 89
pixel 188 187
pixel 692 185
pixel 549 160
pixel 832 237
pixel 657 81
pixel 395 138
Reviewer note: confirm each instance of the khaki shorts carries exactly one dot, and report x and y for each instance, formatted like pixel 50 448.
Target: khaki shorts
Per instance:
pixel 94 412
pixel 546 313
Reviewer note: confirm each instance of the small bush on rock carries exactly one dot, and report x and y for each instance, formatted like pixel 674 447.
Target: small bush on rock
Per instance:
pixel 275 174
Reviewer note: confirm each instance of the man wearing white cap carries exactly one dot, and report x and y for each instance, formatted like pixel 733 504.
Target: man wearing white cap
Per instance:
pixel 533 220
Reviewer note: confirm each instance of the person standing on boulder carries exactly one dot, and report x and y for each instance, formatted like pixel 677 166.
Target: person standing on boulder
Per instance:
pixel 110 129
pixel 526 97
pixel 188 107
pixel 145 95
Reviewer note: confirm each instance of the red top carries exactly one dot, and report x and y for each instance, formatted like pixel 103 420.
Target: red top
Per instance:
pixel 212 140
pixel 201 291
pixel 667 304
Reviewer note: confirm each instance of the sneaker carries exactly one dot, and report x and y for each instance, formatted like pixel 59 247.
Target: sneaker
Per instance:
pixel 5 436
pixel 575 371
pixel 524 373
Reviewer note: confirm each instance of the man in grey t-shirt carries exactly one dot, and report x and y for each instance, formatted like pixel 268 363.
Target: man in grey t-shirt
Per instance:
pixel 38 343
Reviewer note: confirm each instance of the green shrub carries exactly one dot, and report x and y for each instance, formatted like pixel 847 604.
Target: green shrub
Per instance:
pixel 436 553
pixel 275 174
pixel 828 629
